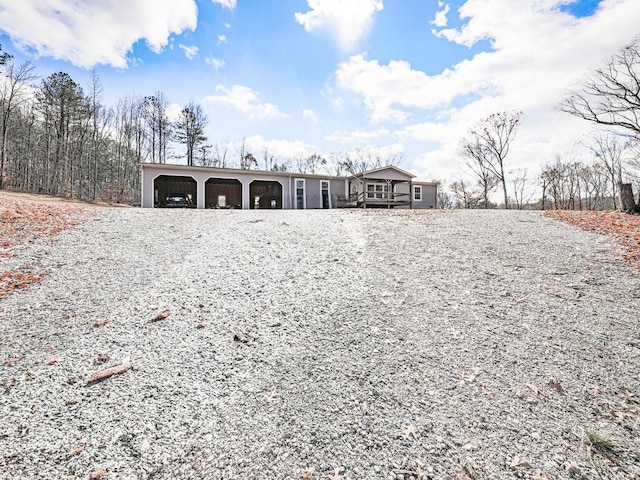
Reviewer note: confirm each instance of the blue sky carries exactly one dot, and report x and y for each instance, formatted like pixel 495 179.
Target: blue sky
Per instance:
pixel 296 77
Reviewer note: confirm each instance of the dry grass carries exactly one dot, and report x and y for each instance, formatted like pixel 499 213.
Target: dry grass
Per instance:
pixel 623 227
pixel 25 218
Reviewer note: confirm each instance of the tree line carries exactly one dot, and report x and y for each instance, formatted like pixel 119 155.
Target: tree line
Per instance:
pixel 608 97
pixel 59 138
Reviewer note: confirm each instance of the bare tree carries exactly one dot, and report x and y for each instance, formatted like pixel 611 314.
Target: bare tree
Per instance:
pixel 491 138
pixel 335 165
pixel 12 94
pixel 608 150
pixel 464 196
pixel 220 152
pixel 610 95
pixel 309 164
pixel 520 188
pixel 158 126
pixel 443 199
pixel 476 158
pixel 189 129
pixel 363 160
pixel 245 157
pixel 4 57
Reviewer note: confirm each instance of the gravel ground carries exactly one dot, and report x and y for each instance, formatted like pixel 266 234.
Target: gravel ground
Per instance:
pixel 322 344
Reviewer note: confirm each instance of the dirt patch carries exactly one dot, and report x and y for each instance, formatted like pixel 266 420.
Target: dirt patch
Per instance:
pixel 25 218
pixel 623 227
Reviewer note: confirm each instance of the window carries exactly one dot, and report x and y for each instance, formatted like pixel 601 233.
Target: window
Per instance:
pixel 377 190
pixel 417 193
pixel 300 196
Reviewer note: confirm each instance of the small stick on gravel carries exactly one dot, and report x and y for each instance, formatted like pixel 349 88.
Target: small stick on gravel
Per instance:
pixel 161 316
pixel 102 323
pixel 109 372
pixel 99 475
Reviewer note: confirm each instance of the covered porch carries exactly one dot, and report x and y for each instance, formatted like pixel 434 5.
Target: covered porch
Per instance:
pixel 386 187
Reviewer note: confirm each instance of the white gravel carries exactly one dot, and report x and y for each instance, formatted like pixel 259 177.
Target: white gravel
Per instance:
pixel 380 345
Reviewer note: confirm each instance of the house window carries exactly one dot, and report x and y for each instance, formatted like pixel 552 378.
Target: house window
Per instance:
pixel 377 190
pixel 300 197
pixel 417 193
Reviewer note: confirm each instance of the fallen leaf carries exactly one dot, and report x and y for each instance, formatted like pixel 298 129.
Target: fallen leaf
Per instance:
pixel 161 316
pixel 485 391
pixel 10 362
pixel 309 473
pixel 53 361
pixel 108 373
pixel 519 463
pixel 103 358
pixel 102 323
pixel 410 431
pixel 75 451
pixel 535 389
pixel 99 475
pixel 336 475
pixel 555 385
pixel 240 337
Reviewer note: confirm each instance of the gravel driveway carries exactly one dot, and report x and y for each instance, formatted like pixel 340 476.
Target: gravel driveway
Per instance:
pixel 368 345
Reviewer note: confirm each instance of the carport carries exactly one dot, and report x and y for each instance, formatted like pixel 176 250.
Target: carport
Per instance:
pixel 223 193
pixel 265 194
pixel 164 185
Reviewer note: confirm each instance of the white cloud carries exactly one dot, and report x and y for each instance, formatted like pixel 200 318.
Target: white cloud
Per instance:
pixel 92 33
pixel 440 20
pixel 216 63
pixel 309 114
pixel 346 21
pixel 357 137
pixel 383 88
pixel 230 4
pixel 281 149
pixel 246 100
pixel 222 39
pixel 174 112
pixel 534 58
pixel 190 51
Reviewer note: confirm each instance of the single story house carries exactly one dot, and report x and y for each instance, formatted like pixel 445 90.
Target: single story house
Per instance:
pixel 209 187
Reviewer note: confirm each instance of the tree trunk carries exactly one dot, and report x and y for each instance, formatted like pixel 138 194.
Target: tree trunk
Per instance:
pixel 627 200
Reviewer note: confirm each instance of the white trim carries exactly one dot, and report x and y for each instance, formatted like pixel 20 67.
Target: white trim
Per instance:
pixel 304 193
pixel 415 188
pixel 328 192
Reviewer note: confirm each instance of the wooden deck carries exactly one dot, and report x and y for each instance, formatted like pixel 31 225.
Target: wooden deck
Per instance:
pixel 382 200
